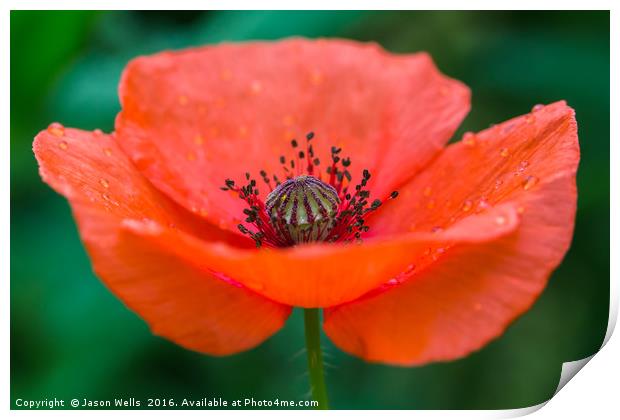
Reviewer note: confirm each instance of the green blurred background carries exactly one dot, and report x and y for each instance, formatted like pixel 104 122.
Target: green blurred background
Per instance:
pixel 71 338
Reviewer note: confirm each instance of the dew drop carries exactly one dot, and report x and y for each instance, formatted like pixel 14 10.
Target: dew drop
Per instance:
pixel 107 151
pixel 63 145
pixel 524 164
pixel 56 129
pixel 482 205
pixel 537 107
pixel 529 182
pixel 104 183
pixel 529 118
pixel 106 196
pixel 498 183
pixel 97 132
pixel 466 205
pixel 503 152
pixel 436 229
pixel 500 220
pixel 469 139
pixel 392 282
pixel 410 269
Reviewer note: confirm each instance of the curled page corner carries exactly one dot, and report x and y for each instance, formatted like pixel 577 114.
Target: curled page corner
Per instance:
pixel 569 370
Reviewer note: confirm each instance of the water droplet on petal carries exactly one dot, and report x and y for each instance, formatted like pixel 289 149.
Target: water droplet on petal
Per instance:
pixel 466 205
pixel 501 220
pixel 537 107
pixel 56 129
pixel 97 132
pixel 482 205
pixel 410 269
pixel 529 118
pixel 63 145
pixel 107 151
pixel 392 282
pixel 529 182
pixel 469 139
pixel 104 183
pixel 524 164
pixel 503 152
pixel 436 229
pixel 498 183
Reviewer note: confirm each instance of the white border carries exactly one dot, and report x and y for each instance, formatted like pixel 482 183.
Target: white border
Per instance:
pixel 594 394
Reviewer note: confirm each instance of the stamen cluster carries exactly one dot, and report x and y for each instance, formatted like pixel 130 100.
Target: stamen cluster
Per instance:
pixel 306 208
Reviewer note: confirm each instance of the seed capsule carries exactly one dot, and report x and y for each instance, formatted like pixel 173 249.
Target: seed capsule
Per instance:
pixel 303 209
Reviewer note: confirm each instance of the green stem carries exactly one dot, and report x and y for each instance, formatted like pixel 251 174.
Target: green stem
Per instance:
pixel 315 358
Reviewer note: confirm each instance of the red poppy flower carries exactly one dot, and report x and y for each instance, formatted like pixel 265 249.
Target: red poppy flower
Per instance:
pixel 466 247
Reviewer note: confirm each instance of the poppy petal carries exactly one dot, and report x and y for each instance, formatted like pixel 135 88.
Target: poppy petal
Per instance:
pixel 195 308
pixel 192 119
pixel 322 275
pixel 455 306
